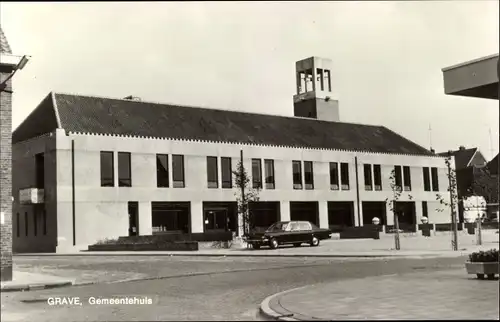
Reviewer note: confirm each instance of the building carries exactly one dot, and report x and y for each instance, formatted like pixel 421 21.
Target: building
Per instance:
pixel 476 78
pixel 88 168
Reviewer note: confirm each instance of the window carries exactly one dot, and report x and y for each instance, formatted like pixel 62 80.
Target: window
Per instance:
pixel 334 176
pixel 344 176
pixel 407 178
pixel 368 176
pixel 40 170
pixel 425 211
pixel 435 180
pixel 297 174
pixel 107 169
pixel 427 179
pixel 377 173
pixel 18 226
pixel 269 173
pixel 178 171
pixel 256 173
pixel 124 170
pixel 304 226
pixel 26 223
pixel 162 180
pixel 44 214
pixel 227 173
pixel 35 228
pixel 399 176
pixel 212 173
pixel 309 175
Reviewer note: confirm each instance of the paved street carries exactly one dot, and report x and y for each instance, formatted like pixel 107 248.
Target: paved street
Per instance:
pixel 230 289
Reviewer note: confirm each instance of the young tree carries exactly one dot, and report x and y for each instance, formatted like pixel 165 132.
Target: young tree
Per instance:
pixel 454 200
pixel 397 192
pixel 245 195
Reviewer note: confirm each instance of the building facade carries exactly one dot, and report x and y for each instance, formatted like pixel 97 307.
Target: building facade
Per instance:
pixel 89 168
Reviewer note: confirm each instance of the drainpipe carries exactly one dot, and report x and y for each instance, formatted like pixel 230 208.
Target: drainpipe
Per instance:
pixel 73 189
pixel 357 190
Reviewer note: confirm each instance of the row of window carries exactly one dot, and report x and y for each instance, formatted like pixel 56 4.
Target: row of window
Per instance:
pixel 36 215
pixel 339 173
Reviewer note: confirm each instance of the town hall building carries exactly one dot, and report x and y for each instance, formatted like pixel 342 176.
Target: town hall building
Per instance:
pixel 86 168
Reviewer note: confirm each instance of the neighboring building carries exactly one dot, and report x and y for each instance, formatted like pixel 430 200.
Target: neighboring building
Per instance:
pixel 493 166
pixel 475 78
pixel 88 168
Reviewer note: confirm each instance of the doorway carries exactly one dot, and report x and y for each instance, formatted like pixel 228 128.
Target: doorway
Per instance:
pixel 216 219
pixel 133 218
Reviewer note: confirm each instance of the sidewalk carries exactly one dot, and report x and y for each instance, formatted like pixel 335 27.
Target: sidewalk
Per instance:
pixel 436 246
pixel 437 295
pixel 24 281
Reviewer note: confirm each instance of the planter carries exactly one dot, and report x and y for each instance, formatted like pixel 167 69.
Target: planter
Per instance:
pixel 481 269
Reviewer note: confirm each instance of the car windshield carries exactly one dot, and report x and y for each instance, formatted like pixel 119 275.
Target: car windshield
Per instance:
pixel 279 226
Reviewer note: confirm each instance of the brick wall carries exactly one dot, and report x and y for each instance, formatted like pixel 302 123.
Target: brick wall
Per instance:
pixel 6 178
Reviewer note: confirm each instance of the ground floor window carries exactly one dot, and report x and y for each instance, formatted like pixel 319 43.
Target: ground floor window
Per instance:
pixel 372 209
pixel 264 214
pixel 340 214
pixel 170 217
pixel 220 216
pixel 307 211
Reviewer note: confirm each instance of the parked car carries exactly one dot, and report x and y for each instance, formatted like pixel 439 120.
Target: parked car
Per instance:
pixel 289 232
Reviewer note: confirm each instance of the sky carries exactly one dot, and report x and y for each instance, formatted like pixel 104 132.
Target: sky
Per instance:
pixel 387 58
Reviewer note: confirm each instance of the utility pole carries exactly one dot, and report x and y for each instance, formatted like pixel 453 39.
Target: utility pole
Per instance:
pixel 242 187
pixel 454 242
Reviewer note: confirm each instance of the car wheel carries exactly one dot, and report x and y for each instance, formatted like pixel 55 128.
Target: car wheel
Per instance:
pixel 297 244
pixel 273 243
pixel 256 246
pixel 314 241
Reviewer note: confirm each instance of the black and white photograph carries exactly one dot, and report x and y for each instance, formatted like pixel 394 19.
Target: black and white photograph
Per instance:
pixel 249 160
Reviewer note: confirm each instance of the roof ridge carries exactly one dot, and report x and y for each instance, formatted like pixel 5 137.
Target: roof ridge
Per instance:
pixel 208 108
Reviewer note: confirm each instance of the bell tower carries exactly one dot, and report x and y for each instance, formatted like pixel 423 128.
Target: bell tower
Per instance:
pixel 313 98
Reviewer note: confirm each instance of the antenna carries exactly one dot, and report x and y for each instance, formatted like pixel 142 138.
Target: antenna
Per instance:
pixel 430 135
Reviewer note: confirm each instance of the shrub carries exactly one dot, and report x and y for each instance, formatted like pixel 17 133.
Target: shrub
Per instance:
pixel 484 257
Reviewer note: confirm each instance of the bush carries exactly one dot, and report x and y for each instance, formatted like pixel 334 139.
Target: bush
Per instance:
pixel 484 257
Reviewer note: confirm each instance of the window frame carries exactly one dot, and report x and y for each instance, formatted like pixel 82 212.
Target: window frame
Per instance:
pixel 107 181
pixel 309 185
pixel 297 184
pixel 162 172
pixel 434 184
pixel 368 177
pixel 334 176
pixel 225 183
pixel 257 178
pixel 426 174
pixel 377 177
pixel 406 178
pixel 127 158
pixel 181 183
pixel 271 183
pixel 212 170
pixel 398 175
pixel 343 185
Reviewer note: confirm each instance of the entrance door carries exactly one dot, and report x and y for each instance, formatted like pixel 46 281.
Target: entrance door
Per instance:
pixel 133 218
pixel 216 219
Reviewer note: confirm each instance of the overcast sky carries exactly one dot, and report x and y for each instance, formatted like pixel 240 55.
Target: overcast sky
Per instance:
pixel 387 58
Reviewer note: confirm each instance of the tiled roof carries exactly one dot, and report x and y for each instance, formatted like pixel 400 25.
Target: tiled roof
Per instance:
pixel 86 114
pixel 4 44
pixel 493 165
pixel 462 157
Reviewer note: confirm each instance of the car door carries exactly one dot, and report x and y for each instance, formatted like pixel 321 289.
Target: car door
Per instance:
pixel 305 231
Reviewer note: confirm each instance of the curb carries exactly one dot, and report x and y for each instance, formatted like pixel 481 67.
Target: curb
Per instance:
pixel 428 255
pixel 267 312
pixel 34 286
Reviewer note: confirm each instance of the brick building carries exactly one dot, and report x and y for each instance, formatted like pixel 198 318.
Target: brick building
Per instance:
pixel 6 69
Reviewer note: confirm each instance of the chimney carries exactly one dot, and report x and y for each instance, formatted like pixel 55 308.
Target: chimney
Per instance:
pixel 433 151
pixel 132 98
pixel 461 148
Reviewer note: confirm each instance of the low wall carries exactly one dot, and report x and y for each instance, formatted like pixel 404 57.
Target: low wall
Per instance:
pixel 160 246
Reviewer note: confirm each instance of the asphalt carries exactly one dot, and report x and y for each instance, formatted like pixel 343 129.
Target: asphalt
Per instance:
pixel 224 288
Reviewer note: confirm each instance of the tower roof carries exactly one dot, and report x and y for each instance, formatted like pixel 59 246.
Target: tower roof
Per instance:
pixel 4 44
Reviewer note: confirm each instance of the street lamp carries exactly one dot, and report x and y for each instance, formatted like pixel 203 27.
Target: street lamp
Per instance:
pixel 20 65
pixel 375 221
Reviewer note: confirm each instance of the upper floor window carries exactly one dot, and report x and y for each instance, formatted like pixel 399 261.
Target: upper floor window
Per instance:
pixel 162 180
pixel 344 176
pixel 377 174
pixel 107 169
pixel 309 175
pixel 427 179
pixel 435 179
pixel 40 170
pixel 227 173
pixel 124 170
pixel 407 178
pixel 297 174
pixel 257 173
pixel 212 173
pixel 367 169
pixel 334 176
pixel 399 176
pixel 178 171
pixel 269 173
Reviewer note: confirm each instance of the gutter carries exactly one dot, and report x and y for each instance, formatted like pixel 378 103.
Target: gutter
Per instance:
pixel 73 210
pixel 357 191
